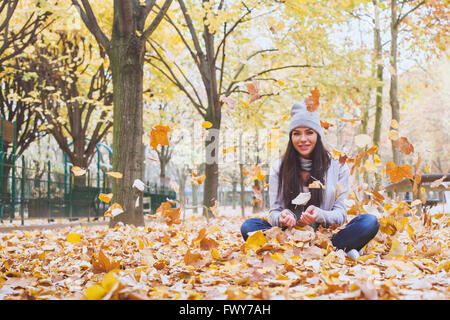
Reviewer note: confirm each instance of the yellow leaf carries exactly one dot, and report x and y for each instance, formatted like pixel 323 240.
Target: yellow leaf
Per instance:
pixel 114 210
pixel 74 238
pixel 278 257
pixel 215 253
pixel 109 281
pixel 77 171
pixel 95 292
pixel 396 248
pixel 206 124
pixel 394 124
pixel 316 185
pixel 114 174
pixel 393 135
pixel 256 240
pixel 105 197
pixel 245 104
pixel 280 83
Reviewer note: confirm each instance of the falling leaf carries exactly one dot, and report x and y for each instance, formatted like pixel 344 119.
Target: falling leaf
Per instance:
pixel 115 174
pixel 198 179
pixel 393 135
pixel 397 174
pixel 138 184
pixel 245 104
pixel 253 90
pixel 326 125
pixel 77 171
pixel 169 214
pixel 105 197
pixel 158 136
pixel 405 146
pixel 352 121
pixel 312 102
pixel 316 185
pixel 206 124
pixel 114 210
pixel 302 198
pixel 394 124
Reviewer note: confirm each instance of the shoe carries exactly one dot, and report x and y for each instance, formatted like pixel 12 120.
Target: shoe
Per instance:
pixel 353 254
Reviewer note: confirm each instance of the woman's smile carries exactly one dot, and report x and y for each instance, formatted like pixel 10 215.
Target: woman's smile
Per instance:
pixel 304 140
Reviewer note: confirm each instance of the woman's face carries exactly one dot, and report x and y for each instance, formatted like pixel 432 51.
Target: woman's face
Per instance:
pixel 304 140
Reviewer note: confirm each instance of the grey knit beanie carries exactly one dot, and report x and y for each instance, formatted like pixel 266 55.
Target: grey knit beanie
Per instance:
pixel 301 117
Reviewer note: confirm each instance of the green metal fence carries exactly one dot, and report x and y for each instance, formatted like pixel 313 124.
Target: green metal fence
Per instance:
pixel 29 193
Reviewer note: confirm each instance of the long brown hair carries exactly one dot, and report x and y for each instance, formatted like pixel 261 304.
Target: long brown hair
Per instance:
pixel 290 180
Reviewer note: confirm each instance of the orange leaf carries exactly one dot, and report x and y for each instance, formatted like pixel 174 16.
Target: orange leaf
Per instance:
pixel 397 174
pixel 158 136
pixel 169 214
pixel 253 89
pixel 312 102
pixel 192 259
pixel 104 264
pixel 325 124
pixel 106 198
pixel 405 146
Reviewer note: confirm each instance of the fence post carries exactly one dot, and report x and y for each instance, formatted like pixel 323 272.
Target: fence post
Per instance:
pixel 22 191
pixel 13 174
pixel 48 190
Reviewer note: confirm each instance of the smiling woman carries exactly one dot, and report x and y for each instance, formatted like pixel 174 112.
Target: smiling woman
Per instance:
pixel 307 167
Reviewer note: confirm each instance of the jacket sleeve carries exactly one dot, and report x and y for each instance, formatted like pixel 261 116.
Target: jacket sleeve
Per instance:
pixel 338 213
pixel 275 203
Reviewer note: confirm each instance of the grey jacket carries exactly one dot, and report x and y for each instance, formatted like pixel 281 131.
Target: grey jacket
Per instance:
pixel 331 210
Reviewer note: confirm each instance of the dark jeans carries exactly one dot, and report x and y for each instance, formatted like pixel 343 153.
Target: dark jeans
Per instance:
pixel 357 233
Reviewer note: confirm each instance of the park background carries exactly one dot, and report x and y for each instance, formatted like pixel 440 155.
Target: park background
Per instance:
pixel 192 98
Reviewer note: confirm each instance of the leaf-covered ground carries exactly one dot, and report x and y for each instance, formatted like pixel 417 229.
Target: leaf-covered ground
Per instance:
pixel 169 259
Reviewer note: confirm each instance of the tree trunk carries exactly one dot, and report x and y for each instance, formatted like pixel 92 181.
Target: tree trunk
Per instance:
pixel 214 116
pixel 379 88
pixel 241 169
pixel 128 153
pixel 393 91
pixel 211 173
pixel 234 183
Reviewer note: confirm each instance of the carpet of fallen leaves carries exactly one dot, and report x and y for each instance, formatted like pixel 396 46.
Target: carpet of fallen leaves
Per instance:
pixel 170 258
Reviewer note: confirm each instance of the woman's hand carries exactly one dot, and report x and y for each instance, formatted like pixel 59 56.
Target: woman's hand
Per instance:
pixel 287 218
pixel 309 215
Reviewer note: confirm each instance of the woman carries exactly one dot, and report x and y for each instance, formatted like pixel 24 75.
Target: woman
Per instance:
pixel 306 160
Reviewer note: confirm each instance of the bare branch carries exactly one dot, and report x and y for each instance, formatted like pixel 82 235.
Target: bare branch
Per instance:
pixel 162 12
pixel 90 21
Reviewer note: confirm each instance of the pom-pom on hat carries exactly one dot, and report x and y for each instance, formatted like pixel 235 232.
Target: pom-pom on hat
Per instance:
pixel 301 117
